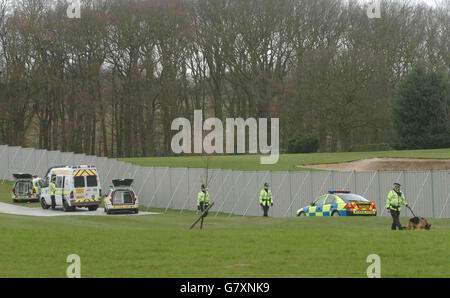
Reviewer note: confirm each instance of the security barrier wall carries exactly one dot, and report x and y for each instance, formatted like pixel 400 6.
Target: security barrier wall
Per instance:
pixel 236 192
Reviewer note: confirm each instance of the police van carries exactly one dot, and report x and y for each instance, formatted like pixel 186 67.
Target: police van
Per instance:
pixel 75 186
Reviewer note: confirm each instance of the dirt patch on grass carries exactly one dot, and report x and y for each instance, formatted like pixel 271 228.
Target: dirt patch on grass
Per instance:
pixel 385 164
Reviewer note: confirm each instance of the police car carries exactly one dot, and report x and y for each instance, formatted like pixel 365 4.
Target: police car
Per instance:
pixel 339 203
pixel 27 188
pixel 121 197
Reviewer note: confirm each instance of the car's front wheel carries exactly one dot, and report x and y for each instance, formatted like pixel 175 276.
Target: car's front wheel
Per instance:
pixel 302 214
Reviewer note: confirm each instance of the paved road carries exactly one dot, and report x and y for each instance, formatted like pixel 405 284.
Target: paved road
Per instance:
pixel 19 210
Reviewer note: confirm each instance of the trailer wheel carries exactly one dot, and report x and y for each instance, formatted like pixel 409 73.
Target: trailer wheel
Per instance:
pixel 136 211
pixel 92 208
pixel 44 204
pixel 108 211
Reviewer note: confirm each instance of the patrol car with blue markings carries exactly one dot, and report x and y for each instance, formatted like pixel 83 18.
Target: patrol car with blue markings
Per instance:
pixel 339 203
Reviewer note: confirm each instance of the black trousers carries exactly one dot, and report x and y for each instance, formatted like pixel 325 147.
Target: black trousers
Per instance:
pixel 53 202
pixel 396 220
pixel 203 206
pixel 265 210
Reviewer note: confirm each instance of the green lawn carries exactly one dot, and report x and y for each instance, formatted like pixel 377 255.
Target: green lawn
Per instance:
pixel 162 246
pixel 286 162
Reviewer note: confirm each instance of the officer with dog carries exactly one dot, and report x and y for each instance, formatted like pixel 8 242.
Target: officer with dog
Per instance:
pixel 394 201
pixel 203 199
pixel 265 199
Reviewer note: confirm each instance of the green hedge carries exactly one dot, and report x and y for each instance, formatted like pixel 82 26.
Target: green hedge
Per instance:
pixel 303 143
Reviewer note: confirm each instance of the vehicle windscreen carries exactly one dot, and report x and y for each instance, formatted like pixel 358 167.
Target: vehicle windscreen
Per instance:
pixel 23 188
pixel 78 181
pixel 91 181
pixel 352 198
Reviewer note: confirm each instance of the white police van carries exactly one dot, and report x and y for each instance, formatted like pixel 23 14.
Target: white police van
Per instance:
pixel 75 186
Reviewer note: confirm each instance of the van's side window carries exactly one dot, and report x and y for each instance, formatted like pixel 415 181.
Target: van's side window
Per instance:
pixel 78 181
pixel 59 182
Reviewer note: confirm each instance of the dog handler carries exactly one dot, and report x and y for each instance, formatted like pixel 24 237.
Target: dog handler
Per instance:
pixel 394 201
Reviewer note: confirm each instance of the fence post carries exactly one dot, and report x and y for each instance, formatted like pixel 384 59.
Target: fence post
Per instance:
pixel 379 190
pixel 332 179
pixel 432 192
pixel 290 191
pixel 405 188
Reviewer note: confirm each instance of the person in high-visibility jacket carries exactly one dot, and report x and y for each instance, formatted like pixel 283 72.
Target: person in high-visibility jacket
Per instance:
pixel 394 201
pixel 203 199
pixel 265 199
pixel 52 192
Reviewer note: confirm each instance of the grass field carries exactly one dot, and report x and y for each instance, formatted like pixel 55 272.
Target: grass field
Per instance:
pixel 162 246
pixel 286 162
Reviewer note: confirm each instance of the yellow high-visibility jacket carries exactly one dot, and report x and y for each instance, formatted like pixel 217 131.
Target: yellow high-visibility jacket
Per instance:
pixel 395 201
pixel 203 197
pixel 265 197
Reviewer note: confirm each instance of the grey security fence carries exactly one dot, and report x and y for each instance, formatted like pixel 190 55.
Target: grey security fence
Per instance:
pixel 236 192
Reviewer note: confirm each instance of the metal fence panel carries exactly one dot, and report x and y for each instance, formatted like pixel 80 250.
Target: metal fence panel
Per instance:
pixel 67 158
pixel 441 193
pixel 28 161
pixel 226 191
pixel 15 161
pixel 40 168
pixel 79 159
pixel 54 159
pixel 4 162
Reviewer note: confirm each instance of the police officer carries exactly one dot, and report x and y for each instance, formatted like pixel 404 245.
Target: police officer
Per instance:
pixel 265 198
pixel 394 201
pixel 203 199
pixel 52 192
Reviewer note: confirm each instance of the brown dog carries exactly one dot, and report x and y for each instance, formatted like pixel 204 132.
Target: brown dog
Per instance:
pixel 418 223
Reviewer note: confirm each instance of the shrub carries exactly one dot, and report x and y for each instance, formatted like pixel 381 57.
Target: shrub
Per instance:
pixel 303 143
